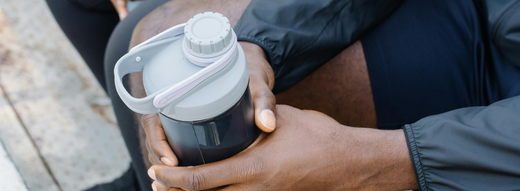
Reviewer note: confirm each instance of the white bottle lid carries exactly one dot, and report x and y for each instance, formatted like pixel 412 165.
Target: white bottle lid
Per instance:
pixel 208 35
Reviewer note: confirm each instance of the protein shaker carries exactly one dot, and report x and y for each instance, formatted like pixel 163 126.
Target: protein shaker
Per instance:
pixel 196 77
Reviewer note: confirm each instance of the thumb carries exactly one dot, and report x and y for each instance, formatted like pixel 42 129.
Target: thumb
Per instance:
pixel 261 80
pixel 264 103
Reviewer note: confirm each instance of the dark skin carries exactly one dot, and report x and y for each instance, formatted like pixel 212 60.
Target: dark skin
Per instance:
pixel 309 150
pixel 340 88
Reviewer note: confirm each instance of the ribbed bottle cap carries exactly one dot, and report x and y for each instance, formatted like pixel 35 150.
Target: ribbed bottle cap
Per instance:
pixel 208 35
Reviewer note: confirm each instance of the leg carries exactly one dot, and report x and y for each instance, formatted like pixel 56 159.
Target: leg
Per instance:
pixel 117 47
pixel 180 11
pixel 406 69
pixel 347 70
pixel 340 88
pixel 414 71
pixel 88 25
pixel 436 62
pixel 356 109
pixel 428 58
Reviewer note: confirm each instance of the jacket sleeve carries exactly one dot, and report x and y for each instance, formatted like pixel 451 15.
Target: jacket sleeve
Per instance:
pixel 475 148
pixel 299 36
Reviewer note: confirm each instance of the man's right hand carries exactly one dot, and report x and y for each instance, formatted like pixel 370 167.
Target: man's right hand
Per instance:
pixel 308 151
pixel 261 82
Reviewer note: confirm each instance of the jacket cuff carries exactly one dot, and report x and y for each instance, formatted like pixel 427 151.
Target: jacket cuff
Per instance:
pixel 415 157
pixel 268 49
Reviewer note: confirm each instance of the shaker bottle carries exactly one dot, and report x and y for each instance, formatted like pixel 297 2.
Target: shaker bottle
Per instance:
pixel 196 77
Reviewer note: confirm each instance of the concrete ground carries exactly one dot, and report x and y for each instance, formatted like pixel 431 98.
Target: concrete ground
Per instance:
pixel 57 127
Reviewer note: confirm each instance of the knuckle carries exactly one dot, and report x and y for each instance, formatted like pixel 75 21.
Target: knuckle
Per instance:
pixel 150 158
pixel 283 109
pixel 265 94
pixel 157 150
pixel 257 75
pixel 154 150
pixel 149 148
pixel 147 122
pixel 153 160
pixel 287 114
pixel 258 167
pixel 254 168
pixel 195 180
pixel 147 144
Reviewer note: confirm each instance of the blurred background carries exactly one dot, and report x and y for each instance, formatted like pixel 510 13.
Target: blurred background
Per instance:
pixel 57 128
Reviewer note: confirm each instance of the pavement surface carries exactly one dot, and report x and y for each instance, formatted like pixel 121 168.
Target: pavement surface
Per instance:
pixel 57 128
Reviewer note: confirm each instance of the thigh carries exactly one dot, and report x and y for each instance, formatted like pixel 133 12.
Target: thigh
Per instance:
pixel 340 88
pixel 180 11
pixel 118 46
pixel 88 25
pixel 427 58
pixel 351 103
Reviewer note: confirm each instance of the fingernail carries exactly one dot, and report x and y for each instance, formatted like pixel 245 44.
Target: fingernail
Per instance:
pixel 267 118
pixel 167 161
pixel 151 173
pixel 154 188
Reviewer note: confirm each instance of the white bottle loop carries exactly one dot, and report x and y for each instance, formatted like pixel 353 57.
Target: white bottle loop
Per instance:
pixel 173 93
pixel 203 62
pixel 152 103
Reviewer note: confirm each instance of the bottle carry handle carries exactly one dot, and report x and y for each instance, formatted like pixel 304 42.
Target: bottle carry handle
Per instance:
pixel 162 98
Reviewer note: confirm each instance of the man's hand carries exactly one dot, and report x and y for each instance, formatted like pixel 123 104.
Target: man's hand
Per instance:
pixel 121 8
pixel 308 151
pixel 159 151
pixel 261 82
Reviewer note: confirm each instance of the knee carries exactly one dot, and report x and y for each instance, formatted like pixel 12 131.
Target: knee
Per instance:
pixel 158 20
pixel 179 11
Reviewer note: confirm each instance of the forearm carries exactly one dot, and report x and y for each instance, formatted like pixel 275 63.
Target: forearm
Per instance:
pixel 385 160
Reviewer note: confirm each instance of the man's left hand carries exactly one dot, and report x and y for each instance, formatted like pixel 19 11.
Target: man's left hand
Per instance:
pixel 308 151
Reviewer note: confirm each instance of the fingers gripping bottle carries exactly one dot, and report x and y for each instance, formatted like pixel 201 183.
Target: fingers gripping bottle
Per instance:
pixel 196 77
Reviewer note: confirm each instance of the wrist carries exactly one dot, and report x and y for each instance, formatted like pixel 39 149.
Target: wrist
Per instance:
pixel 253 49
pixel 258 66
pixel 387 160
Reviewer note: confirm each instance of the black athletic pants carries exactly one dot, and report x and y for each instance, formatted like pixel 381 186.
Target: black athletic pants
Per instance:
pixel 430 57
pixel 94 29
